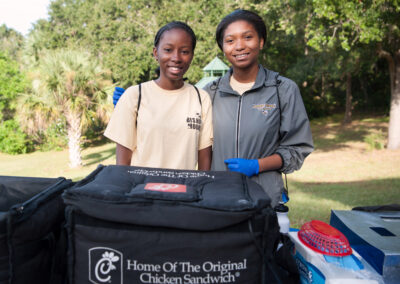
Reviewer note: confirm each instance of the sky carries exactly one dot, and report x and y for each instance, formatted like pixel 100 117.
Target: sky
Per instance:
pixel 20 14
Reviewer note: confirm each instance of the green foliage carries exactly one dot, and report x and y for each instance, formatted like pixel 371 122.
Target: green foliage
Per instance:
pixel 375 140
pixel 70 92
pixel 12 82
pixel 12 139
pixel 55 136
pixel 314 42
pixel 121 33
pixel 11 42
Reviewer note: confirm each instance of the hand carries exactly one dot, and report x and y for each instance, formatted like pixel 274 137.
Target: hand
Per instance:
pixel 118 92
pixel 244 166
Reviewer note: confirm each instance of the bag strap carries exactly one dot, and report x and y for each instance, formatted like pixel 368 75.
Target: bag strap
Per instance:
pixel 198 95
pixel 214 87
pixel 138 103
pixel 277 83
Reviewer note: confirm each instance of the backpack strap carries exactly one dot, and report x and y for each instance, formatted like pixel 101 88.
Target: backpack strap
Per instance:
pixel 138 103
pixel 277 83
pixel 198 94
pixel 214 87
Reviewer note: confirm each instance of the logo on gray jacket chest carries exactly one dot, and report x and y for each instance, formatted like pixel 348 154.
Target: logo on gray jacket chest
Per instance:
pixel 264 108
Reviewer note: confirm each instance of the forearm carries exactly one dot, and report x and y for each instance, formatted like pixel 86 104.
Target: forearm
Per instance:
pixel 270 163
pixel 124 155
pixel 204 159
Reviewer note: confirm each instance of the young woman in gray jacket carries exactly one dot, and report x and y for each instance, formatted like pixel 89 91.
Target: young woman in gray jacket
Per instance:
pixel 261 128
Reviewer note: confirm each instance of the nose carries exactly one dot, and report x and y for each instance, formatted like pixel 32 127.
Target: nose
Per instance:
pixel 176 56
pixel 239 44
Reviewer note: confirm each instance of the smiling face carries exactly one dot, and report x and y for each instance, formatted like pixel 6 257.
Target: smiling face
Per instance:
pixel 241 45
pixel 174 54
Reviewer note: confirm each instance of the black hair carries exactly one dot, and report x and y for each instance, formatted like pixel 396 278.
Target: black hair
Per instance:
pixel 175 25
pixel 239 15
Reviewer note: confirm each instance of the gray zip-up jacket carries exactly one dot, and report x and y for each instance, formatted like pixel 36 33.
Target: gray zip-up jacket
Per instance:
pixel 269 118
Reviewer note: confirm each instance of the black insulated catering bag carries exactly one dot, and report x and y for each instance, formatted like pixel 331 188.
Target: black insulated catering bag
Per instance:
pixel 143 225
pixel 31 224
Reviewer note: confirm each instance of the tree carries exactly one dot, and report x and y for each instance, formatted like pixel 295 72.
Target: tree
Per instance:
pixel 375 24
pixel 11 42
pixel 121 33
pixel 70 84
pixel 12 82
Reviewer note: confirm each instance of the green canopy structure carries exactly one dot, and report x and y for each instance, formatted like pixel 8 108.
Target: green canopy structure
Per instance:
pixel 216 68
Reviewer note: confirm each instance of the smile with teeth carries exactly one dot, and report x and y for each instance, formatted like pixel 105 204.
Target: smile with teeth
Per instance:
pixel 241 56
pixel 175 69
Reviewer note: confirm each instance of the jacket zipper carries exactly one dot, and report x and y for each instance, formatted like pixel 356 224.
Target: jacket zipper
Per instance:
pixel 238 126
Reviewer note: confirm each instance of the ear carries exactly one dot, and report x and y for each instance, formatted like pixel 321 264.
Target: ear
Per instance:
pixel 155 54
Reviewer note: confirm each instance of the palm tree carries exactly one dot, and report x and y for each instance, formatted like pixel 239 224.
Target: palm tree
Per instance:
pixel 69 84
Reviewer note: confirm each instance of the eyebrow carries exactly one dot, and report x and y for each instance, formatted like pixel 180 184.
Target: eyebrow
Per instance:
pixel 245 32
pixel 170 44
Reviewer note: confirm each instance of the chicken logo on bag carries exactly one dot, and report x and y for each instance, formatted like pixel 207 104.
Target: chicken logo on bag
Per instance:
pixel 166 187
pixel 105 265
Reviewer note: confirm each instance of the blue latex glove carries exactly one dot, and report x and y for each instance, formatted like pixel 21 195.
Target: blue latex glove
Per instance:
pixel 118 92
pixel 244 166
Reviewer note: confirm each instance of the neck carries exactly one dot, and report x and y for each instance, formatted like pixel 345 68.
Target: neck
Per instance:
pixel 246 75
pixel 168 84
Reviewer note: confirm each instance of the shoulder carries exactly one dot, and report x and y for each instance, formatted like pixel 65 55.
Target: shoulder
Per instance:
pixel 286 86
pixel 205 97
pixel 212 86
pixel 132 91
pixel 286 82
pixel 130 97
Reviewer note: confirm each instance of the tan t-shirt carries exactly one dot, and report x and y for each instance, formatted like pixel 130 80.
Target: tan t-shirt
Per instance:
pixel 171 125
pixel 240 87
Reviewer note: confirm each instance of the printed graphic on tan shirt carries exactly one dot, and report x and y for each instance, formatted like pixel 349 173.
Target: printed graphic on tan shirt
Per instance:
pixel 194 122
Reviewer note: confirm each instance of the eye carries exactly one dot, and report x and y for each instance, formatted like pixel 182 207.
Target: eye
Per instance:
pixel 229 40
pixel 185 52
pixel 167 49
pixel 248 37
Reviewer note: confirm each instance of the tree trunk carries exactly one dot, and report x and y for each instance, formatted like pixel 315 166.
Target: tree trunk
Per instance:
pixel 394 120
pixel 349 101
pixel 74 139
pixel 364 90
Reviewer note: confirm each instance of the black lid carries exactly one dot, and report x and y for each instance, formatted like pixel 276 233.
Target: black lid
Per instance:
pixel 282 208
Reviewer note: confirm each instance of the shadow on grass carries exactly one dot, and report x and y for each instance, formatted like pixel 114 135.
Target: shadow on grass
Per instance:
pixel 98 157
pixel 331 134
pixel 352 194
pixel 315 200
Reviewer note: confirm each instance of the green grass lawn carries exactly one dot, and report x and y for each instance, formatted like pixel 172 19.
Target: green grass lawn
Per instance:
pixel 341 174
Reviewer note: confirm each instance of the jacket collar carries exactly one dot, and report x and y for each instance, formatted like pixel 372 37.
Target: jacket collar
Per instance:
pixel 264 77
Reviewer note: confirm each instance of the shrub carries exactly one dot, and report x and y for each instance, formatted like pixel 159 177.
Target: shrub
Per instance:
pixel 375 140
pixel 12 139
pixel 55 137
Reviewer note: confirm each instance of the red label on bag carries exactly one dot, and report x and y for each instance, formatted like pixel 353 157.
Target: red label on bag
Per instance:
pixel 166 187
